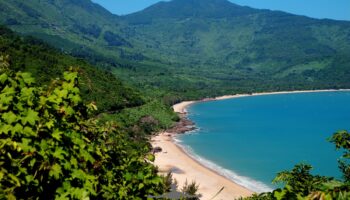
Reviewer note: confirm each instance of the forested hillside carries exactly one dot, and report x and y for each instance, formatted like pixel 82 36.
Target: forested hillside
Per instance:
pixel 82 90
pixel 115 100
pixel 58 139
pixel 46 63
pixel 193 47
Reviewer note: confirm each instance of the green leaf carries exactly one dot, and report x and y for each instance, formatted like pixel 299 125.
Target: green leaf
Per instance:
pixel 87 156
pixel 140 175
pixel 29 178
pixel 8 90
pixel 279 195
pixel 18 128
pixel 61 93
pixel 75 98
pixel 3 78
pixel 69 111
pixel 10 197
pixel 67 86
pixel 79 174
pixel 29 131
pixel 27 78
pixel 49 124
pixel 57 134
pixel 67 166
pixel 31 117
pixel 26 147
pixel 32 162
pixel 59 153
pixel 55 171
pixel 127 176
pixel 151 157
pixel 70 76
pixel 27 94
pixel 9 117
pixel 74 162
pixel 14 180
pixel 5 129
pixel 5 99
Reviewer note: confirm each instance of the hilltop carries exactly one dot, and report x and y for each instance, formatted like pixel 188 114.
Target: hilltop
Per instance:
pixel 194 48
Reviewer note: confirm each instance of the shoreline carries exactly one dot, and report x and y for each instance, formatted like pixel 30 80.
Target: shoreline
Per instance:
pixel 176 159
pixel 181 107
pixel 185 168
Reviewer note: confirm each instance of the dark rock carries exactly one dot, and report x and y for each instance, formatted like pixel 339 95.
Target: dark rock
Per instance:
pixel 183 126
pixel 157 149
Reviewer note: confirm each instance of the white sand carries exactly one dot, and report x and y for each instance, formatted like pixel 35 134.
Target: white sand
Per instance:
pixel 173 157
pixel 181 107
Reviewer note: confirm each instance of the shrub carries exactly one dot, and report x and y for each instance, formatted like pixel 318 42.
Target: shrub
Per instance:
pixel 51 149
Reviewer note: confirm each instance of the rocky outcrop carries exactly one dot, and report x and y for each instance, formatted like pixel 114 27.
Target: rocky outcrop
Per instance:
pixel 183 126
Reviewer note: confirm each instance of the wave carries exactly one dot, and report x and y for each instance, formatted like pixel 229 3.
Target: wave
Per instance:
pixel 246 182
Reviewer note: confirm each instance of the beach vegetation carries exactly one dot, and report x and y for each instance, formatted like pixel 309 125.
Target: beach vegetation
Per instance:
pixel 190 189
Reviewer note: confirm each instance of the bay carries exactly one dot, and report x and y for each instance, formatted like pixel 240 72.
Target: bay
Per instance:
pixel 251 139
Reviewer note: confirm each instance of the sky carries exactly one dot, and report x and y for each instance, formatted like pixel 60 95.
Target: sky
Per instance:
pixel 331 9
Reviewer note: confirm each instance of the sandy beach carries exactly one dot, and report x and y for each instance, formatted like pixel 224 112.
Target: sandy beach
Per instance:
pixel 181 107
pixel 173 158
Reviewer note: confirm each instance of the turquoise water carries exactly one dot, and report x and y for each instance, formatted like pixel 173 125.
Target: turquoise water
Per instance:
pixel 250 139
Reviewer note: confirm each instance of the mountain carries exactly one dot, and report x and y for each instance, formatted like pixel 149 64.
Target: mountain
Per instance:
pixel 79 27
pixel 193 48
pixel 184 9
pixel 46 63
pixel 218 33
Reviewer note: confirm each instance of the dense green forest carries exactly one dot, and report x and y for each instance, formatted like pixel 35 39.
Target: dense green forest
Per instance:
pixel 195 49
pixel 82 89
pixel 111 96
pixel 46 63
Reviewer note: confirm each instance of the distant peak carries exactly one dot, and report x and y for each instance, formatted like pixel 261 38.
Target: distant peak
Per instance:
pixel 201 2
pixel 192 8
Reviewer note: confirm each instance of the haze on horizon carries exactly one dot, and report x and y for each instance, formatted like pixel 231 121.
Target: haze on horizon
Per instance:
pixel 330 9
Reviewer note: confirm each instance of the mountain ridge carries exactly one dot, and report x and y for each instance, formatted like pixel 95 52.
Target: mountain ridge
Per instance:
pixel 191 53
pixel 183 9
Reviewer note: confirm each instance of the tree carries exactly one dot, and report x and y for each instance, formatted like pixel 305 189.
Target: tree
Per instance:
pixel 342 141
pixel 301 184
pixel 50 148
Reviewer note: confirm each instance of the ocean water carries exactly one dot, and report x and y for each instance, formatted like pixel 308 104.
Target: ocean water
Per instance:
pixel 251 139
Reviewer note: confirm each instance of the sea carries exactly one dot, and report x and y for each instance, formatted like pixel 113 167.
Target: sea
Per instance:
pixel 250 139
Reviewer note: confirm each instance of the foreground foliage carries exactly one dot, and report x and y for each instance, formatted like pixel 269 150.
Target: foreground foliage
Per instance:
pixel 301 184
pixel 51 149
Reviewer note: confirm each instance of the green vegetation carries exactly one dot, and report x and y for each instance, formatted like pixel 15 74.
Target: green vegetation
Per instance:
pixel 55 144
pixel 159 114
pixel 301 184
pixel 46 63
pixel 52 146
pixel 193 49
pixel 115 100
pixel 51 149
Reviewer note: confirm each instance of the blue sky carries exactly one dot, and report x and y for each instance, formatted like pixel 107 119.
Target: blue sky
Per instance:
pixel 332 9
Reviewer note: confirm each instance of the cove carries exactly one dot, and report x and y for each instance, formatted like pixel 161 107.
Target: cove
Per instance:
pixel 251 139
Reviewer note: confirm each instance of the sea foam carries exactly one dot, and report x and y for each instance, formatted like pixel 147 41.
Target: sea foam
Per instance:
pixel 246 182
